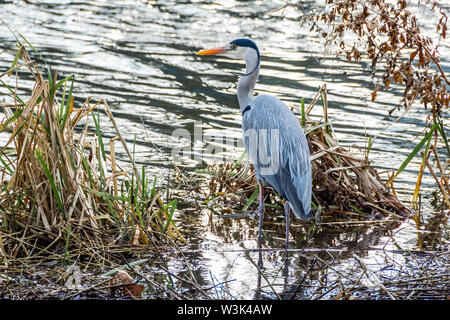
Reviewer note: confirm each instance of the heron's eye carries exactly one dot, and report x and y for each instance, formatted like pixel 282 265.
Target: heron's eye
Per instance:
pixel 234 46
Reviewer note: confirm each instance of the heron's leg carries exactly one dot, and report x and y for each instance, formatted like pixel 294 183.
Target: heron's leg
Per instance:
pixel 261 217
pixel 287 213
pixel 286 259
pixel 260 212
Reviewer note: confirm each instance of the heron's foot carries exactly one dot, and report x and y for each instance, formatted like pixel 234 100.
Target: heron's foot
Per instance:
pixel 259 211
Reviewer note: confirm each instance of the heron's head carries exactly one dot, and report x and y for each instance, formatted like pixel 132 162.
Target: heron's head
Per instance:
pixel 241 48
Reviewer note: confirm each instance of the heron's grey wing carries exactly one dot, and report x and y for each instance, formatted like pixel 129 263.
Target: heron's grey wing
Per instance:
pixel 279 151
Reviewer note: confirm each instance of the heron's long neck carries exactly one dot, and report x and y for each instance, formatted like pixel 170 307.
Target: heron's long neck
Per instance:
pixel 246 84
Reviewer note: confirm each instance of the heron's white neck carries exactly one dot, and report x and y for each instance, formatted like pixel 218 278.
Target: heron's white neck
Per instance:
pixel 246 84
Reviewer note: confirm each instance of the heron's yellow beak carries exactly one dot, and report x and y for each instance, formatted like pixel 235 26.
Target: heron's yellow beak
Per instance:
pixel 208 52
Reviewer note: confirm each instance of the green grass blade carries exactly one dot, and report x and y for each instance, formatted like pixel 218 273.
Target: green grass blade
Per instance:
pixel 172 203
pixel 57 85
pixel 52 183
pixel 67 106
pixel 369 146
pixel 153 191
pixel 61 108
pixel 34 49
pixel 50 81
pixel 251 199
pixel 205 202
pixel 238 161
pixel 101 149
pixel 413 153
pixel 144 184
pixel 66 247
pixel 88 169
pixel 111 210
pixel 203 171
pixel 303 112
pixel 99 135
pixel 16 58
pixel 443 135
pixel 104 194
pixel 19 44
pixel 11 171
pixel 214 212
pixel 322 125
pixel 357 210
pixel 13 93
pixel 127 265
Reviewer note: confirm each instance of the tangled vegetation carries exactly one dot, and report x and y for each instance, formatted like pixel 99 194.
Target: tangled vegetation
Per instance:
pixel 388 35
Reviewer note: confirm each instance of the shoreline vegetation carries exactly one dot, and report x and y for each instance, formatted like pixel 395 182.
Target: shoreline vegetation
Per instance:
pixel 67 207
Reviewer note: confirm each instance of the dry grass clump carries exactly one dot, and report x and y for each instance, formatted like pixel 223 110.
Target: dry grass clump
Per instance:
pixel 59 185
pixel 344 183
pixel 344 186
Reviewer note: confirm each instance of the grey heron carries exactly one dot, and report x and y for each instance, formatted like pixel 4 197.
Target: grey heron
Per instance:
pixel 273 138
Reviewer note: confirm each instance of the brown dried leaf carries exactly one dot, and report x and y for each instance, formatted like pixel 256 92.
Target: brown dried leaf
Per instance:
pixel 130 288
pixel 134 290
pixel 421 58
pixel 397 77
pixel 349 56
pixel 123 277
pixel 374 95
pixel 356 54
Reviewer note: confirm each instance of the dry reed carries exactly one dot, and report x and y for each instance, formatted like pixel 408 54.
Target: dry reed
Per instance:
pixel 60 187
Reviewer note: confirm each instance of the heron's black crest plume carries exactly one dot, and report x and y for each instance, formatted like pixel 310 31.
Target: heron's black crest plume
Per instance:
pixel 244 42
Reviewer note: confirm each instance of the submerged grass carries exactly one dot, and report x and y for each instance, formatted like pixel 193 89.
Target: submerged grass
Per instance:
pixel 60 187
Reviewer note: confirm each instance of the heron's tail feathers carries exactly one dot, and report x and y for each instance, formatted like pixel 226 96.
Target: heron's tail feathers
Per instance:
pixel 299 198
pixel 299 210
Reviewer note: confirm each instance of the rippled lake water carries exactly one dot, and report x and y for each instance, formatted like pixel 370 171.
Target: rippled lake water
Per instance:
pixel 139 56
